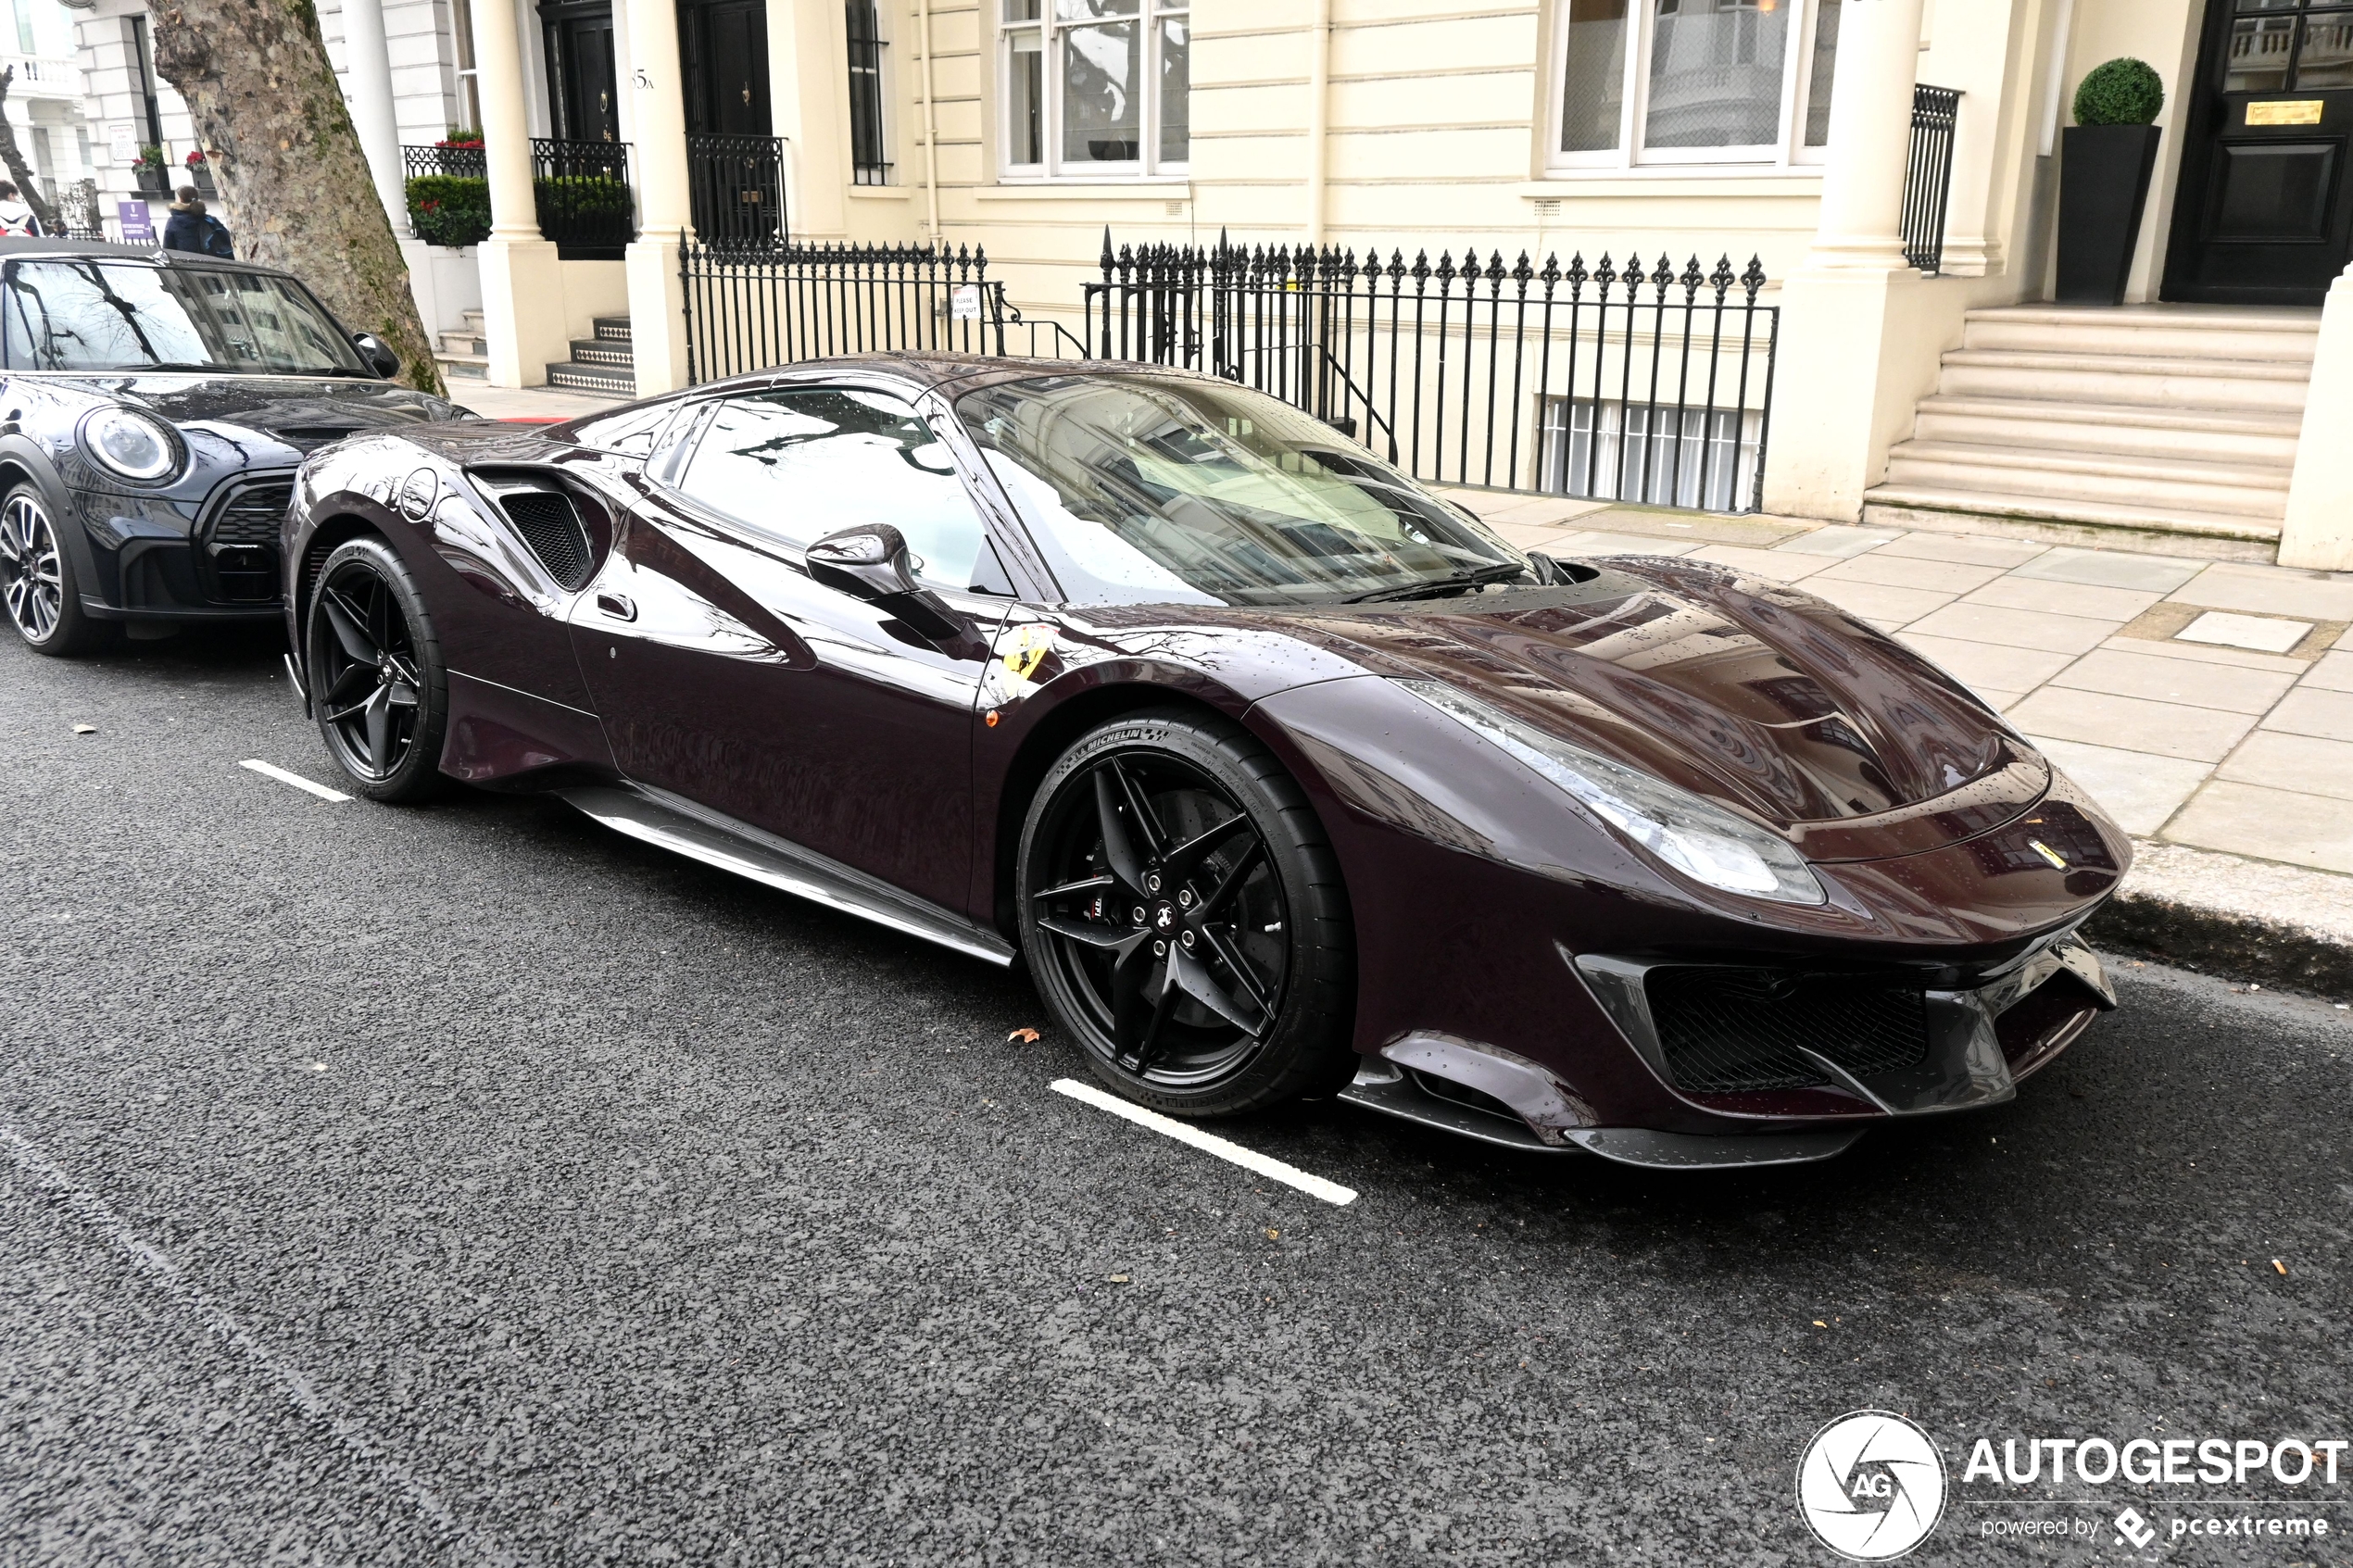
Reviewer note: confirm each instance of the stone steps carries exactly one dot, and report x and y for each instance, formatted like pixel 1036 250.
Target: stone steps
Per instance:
pixel 462 352
pixel 600 362
pixel 2144 423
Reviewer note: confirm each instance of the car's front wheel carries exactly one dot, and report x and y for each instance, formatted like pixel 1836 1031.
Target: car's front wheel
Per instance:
pixel 37 581
pixel 378 687
pixel 1185 919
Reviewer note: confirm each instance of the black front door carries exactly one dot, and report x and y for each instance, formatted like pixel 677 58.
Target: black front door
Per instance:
pixel 727 50
pixel 583 93
pixel 2264 213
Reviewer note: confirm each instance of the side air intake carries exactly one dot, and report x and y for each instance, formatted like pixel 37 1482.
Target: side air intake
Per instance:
pixel 549 523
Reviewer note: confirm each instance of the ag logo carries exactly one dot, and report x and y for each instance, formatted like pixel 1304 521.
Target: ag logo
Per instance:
pixel 1871 1486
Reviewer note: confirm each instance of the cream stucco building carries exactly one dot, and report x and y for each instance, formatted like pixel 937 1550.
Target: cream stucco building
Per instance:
pixel 1774 128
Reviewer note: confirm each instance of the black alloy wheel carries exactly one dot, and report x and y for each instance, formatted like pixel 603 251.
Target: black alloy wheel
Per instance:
pixel 37 581
pixel 378 688
pixel 1185 919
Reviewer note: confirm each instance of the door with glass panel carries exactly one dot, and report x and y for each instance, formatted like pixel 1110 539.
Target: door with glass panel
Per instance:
pixel 1691 81
pixel 2263 214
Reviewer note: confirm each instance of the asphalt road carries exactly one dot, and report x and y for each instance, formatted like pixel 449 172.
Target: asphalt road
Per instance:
pixel 469 1185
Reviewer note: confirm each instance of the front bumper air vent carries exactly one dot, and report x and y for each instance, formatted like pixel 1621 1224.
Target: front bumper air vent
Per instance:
pixel 1726 1030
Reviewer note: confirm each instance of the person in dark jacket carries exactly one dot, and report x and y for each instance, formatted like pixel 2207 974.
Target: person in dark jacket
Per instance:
pixel 192 228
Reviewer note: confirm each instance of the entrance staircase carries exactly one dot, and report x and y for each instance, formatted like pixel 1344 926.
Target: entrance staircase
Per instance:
pixel 2165 427
pixel 464 353
pixel 600 363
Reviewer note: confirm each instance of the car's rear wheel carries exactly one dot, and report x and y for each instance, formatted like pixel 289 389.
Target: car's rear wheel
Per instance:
pixel 378 687
pixel 37 581
pixel 1185 919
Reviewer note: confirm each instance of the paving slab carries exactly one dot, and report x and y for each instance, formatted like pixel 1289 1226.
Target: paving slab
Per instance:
pixel 2111 569
pixel 2007 554
pixel 2269 590
pixel 2332 673
pixel 1600 541
pixel 2257 634
pixel 2206 653
pixel 2270 824
pixel 2018 628
pixel 2124 674
pixel 1876 602
pixel 2312 712
pixel 2131 723
pixel 2139 789
pixel 2307 764
pixel 1910 571
pixel 1995 664
pixel 1837 539
pixel 2013 591
pixel 1778 565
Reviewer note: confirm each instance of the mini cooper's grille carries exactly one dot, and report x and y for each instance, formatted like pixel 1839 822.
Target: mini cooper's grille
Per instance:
pixel 254 514
pixel 1725 1030
pixel 551 527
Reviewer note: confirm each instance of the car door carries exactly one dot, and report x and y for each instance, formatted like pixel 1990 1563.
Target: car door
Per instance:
pixel 726 675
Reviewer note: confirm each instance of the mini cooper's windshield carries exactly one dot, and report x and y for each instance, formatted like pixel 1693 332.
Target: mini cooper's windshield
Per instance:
pixel 1159 488
pixel 70 314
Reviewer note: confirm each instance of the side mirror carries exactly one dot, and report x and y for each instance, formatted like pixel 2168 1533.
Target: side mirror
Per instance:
pixel 870 562
pixel 383 361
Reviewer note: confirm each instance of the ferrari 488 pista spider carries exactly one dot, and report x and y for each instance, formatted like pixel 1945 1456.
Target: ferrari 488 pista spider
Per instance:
pixel 1283 777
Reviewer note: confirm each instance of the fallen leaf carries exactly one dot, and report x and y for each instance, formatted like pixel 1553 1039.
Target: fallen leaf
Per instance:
pixel 1274 1236
pixel 86 729
pixel 2277 1264
pixel 1024 1037
pixel 1119 1279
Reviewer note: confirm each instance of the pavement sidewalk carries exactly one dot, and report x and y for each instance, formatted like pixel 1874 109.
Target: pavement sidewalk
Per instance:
pixel 2208 705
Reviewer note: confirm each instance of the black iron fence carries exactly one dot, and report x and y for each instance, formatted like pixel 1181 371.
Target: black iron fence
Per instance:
pixel 736 191
pixel 582 191
pixel 460 163
pixel 1636 381
pixel 1928 181
pixel 749 310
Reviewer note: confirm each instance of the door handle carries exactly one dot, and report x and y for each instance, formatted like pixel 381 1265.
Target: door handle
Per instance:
pixel 619 605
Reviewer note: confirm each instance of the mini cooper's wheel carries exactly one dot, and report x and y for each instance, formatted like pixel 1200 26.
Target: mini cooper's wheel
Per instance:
pixel 37 581
pixel 378 687
pixel 1185 919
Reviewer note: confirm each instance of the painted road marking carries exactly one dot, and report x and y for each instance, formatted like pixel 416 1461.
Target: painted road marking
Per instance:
pixel 268 770
pixel 363 1444
pixel 1208 1143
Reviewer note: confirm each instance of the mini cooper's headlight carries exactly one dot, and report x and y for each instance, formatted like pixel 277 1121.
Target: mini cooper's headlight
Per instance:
pixel 133 445
pixel 1703 842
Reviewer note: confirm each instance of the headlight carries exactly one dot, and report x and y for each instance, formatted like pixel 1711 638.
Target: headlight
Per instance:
pixel 135 446
pixel 1703 842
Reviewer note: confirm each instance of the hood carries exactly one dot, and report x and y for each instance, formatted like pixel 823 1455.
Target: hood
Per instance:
pixel 301 412
pixel 1745 691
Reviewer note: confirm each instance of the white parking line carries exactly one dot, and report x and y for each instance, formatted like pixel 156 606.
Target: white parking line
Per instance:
pixel 1208 1143
pixel 268 770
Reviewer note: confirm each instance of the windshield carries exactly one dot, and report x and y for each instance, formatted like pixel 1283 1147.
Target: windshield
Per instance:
pixel 69 315
pixel 1155 489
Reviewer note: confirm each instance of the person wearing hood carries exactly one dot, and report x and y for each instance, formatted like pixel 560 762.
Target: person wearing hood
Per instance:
pixel 15 217
pixel 190 227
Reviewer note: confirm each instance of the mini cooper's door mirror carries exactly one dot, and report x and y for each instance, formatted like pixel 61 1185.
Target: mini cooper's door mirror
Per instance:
pixel 382 361
pixel 870 562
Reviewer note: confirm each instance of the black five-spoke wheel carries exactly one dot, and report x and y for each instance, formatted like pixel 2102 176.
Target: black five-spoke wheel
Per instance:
pixel 376 681
pixel 1183 918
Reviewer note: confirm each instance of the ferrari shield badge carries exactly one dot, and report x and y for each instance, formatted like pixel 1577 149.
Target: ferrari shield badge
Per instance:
pixel 1014 663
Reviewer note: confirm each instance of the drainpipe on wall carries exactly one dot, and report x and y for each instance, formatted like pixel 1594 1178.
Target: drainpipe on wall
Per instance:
pixel 1319 90
pixel 931 128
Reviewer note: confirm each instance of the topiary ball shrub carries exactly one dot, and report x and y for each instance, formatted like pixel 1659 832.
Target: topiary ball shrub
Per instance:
pixel 2123 92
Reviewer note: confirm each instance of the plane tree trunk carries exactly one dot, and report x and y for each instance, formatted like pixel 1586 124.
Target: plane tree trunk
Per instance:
pixel 287 160
pixel 18 175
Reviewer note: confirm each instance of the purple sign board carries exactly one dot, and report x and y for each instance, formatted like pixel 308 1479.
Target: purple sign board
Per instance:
pixel 138 225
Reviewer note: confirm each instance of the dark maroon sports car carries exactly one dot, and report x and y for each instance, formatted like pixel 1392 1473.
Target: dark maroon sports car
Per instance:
pixel 1283 777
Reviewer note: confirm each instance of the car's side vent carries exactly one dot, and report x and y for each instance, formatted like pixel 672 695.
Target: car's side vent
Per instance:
pixel 550 524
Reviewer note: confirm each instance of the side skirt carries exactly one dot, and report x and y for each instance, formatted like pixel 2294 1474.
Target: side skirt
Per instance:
pixel 679 825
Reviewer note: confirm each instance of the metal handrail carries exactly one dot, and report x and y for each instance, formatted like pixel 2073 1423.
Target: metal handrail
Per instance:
pixel 1928 178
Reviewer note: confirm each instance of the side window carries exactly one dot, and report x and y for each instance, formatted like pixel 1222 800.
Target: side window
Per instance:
pixel 801 464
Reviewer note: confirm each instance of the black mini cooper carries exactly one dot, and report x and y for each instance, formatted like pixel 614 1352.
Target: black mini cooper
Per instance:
pixel 154 407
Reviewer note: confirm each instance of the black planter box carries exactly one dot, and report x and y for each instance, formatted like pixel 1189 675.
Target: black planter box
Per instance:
pixel 2103 185
pixel 151 182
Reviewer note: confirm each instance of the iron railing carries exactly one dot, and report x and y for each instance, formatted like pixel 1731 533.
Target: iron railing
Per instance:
pixel 1928 181
pixel 736 191
pixel 464 163
pixel 753 310
pixel 1634 382
pixel 582 191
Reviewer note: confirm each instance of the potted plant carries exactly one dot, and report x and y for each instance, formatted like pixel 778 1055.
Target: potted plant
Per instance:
pixel 200 175
pixel 147 172
pixel 2106 158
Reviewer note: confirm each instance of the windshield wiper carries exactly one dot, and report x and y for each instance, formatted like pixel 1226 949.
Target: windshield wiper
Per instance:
pixel 1459 582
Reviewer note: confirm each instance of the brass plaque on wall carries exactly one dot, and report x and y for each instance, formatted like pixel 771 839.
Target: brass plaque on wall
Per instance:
pixel 2286 112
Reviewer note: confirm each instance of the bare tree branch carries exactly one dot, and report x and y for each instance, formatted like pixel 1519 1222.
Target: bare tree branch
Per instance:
pixel 15 160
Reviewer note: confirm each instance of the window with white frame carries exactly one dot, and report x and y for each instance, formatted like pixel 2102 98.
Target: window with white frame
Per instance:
pixel 1691 81
pixel 1095 88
